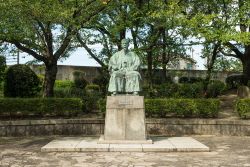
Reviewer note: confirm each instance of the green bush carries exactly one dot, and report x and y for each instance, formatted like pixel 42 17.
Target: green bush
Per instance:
pixel 242 106
pixel 21 81
pixel 205 108
pixel 40 106
pixel 2 67
pixel 172 90
pixel 102 81
pixel 90 101
pixel 190 79
pixel 194 90
pixel 165 90
pixel 92 88
pixel 69 92
pixel 235 80
pixel 162 108
pixel 79 80
pixel 64 84
pixel 215 88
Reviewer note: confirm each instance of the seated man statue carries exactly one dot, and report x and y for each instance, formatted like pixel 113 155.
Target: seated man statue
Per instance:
pixel 124 66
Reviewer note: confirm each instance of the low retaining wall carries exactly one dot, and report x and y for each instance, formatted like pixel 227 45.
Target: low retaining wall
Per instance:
pixel 95 127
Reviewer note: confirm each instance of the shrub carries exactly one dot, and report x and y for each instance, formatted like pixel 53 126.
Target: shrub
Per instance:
pixel 2 67
pixel 190 79
pixel 235 80
pixel 21 81
pixel 90 101
pixel 161 108
pixel 102 81
pixel 79 80
pixel 40 106
pixel 69 92
pixel 64 84
pixel 166 90
pixel 92 88
pixel 160 91
pixel 205 108
pixel 242 106
pixel 172 90
pixel 194 90
pixel 215 88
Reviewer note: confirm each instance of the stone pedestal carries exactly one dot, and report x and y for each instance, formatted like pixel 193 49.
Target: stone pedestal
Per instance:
pixel 125 120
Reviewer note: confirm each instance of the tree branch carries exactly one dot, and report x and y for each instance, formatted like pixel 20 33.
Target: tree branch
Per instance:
pixel 235 50
pixel 89 50
pixel 29 51
pixel 228 54
pixel 65 43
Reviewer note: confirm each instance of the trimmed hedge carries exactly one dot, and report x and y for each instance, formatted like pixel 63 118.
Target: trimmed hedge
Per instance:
pixel 40 106
pixel 204 108
pixel 189 108
pixel 242 106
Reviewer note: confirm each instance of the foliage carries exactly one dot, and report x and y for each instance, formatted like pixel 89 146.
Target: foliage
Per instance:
pixel 223 22
pixel 155 31
pixel 40 106
pixel 2 67
pixel 79 80
pixel 69 92
pixel 174 107
pixel 190 79
pixel 90 101
pixel 223 63
pixel 204 108
pixel 172 90
pixel 64 84
pixel 102 81
pixel 235 80
pixel 92 88
pixel 194 90
pixel 242 106
pixel 215 88
pixel 45 29
pixel 21 81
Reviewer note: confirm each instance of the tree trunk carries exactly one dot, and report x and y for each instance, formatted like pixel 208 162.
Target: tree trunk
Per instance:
pixel 150 66
pixel 164 56
pixel 210 66
pixel 49 80
pixel 246 64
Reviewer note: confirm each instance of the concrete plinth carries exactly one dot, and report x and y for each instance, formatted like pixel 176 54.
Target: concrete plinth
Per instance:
pixel 161 144
pixel 125 120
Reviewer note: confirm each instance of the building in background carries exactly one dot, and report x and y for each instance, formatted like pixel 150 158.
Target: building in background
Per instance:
pixel 182 64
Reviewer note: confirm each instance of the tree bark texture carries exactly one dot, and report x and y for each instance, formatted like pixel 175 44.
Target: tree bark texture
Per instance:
pixel 49 80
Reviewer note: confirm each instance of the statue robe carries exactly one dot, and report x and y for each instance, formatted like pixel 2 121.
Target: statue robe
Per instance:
pixel 125 77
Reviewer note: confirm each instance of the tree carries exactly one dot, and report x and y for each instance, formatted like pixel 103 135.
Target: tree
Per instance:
pixel 232 28
pixel 154 32
pixel 224 63
pixel 44 29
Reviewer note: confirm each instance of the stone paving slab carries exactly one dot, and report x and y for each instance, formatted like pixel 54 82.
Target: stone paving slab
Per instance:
pixel 225 151
pixel 160 144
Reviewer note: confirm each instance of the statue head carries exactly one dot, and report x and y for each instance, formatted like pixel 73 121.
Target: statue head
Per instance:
pixel 125 43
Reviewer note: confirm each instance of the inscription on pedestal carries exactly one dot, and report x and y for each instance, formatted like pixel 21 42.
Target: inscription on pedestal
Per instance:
pixel 125 118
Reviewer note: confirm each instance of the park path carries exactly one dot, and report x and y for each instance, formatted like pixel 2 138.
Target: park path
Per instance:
pixel 227 105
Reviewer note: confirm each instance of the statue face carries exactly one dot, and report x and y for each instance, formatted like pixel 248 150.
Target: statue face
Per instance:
pixel 124 44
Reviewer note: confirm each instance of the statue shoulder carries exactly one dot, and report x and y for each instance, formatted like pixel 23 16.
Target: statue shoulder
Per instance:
pixel 134 55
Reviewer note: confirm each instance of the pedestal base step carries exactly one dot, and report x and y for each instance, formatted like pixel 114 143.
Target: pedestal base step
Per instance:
pixel 102 141
pixel 160 144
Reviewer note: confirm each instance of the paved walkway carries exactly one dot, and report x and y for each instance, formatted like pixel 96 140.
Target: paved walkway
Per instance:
pixel 225 151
